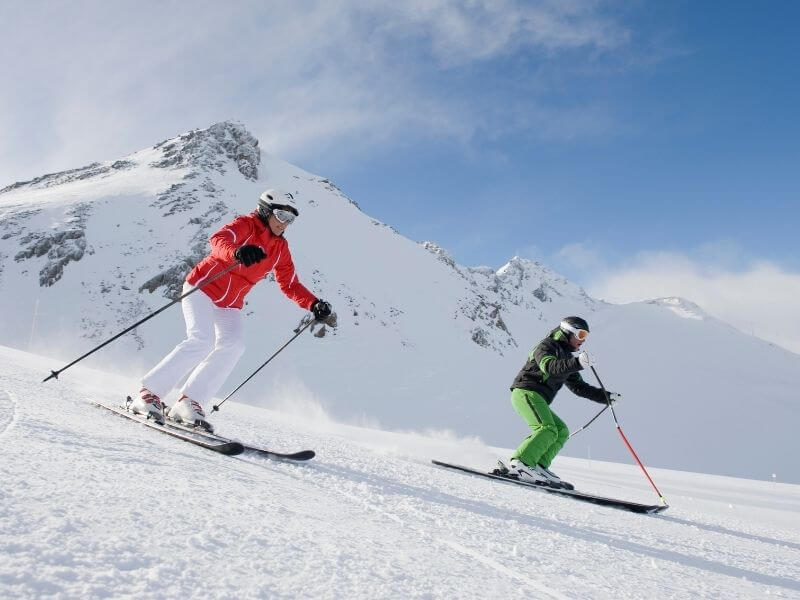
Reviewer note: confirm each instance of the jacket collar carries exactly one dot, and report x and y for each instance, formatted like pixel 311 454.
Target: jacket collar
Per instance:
pixel 561 338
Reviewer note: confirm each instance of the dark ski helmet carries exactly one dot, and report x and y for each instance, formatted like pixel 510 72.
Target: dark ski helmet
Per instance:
pixel 575 326
pixel 276 200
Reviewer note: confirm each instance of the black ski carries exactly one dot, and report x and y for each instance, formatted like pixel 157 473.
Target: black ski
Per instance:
pixel 248 448
pixel 601 500
pixel 213 438
pixel 227 447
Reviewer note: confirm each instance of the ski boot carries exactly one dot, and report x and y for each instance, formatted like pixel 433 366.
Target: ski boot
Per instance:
pixel 555 480
pixel 188 412
pixel 148 405
pixel 516 469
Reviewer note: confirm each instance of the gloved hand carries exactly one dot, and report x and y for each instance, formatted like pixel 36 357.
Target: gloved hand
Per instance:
pixel 321 309
pixel 249 255
pixel 584 360
pixel 614 397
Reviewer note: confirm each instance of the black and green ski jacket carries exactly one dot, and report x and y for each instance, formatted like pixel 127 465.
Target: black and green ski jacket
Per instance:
pixel 551 365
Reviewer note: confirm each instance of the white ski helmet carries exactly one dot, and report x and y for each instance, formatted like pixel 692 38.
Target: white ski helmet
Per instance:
pixel 278 197
pixel 273 199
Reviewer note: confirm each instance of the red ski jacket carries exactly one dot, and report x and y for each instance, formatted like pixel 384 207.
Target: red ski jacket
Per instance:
pixel 229 290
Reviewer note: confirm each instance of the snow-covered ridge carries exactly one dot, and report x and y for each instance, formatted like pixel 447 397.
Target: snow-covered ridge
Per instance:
pixel 423 341
pixel 681 307
pixel 80 174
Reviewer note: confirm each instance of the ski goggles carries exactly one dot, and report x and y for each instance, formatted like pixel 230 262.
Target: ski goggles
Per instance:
pixel 581 334
pixel 284 216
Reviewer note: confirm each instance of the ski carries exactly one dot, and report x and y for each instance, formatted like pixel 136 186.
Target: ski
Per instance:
pixel 227 447
pixel 594 499
pixel 248 448
pixel 214 438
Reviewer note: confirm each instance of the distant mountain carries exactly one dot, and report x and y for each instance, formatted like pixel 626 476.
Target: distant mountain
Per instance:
pixel 423 342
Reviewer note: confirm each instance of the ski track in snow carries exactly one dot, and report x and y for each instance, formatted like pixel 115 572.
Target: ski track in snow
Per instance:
pixel 425 537
pixel 8 411
pixel 93 506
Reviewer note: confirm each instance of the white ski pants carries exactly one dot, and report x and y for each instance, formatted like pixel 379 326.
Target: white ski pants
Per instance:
pixel 212 347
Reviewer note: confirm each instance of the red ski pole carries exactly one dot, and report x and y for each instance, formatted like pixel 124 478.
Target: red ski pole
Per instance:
pixel 627 443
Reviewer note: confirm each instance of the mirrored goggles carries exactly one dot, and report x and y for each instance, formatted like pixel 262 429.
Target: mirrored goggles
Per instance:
pixel 581 334
pixel 284 216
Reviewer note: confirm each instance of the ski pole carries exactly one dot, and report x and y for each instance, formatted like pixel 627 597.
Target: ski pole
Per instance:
pixel 55 374
pixel 602 410
pixel 625 439
pixel 297 333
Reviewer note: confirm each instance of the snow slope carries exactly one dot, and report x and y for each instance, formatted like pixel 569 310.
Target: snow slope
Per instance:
pixel 423 342
pixel 94 506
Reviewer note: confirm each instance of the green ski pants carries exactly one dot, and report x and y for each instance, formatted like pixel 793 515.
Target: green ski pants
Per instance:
pixel 548 432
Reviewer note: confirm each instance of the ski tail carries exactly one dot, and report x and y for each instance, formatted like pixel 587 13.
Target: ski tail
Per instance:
pixel 226 447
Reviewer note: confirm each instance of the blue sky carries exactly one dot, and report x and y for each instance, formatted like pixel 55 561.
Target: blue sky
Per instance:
pixel 643 149
pixel 689 136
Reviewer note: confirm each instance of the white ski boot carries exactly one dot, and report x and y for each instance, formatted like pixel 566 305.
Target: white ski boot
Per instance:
pixel 149 405
pixel 516 469
pixel 555 480
pixel 188 412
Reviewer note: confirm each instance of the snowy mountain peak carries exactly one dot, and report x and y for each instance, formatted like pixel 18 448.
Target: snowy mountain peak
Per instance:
pixel 211 148
pixel 681 307
pixel 523 279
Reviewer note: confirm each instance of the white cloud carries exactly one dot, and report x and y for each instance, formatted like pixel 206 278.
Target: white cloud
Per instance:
pixel 94 81
pixel 582 257
pixel 760 298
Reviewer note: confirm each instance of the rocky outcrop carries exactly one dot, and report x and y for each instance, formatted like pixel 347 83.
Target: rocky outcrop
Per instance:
pixel 61 246
pixel 213 149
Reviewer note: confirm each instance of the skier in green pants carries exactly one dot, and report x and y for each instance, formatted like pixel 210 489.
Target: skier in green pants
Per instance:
pixel 550 365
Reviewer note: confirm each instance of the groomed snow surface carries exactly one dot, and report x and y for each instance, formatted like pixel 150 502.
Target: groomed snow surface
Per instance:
pixel 94 506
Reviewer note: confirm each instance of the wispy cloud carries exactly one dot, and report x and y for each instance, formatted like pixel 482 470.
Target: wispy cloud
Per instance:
pixel 757 297
pixel 92 81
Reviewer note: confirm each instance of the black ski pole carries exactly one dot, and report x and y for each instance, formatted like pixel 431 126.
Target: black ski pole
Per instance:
pixel 625 439
pixel 297 332
pixel 55 374
pixel 602 410
pixel 608 404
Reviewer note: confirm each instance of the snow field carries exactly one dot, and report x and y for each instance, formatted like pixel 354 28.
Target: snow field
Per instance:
pixel 94 506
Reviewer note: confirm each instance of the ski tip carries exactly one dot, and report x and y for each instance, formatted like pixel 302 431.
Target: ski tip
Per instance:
pixel 229 448
pixel 302 455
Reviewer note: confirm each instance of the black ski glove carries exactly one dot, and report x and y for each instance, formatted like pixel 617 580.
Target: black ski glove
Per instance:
pixel 249 255
pixel 321 309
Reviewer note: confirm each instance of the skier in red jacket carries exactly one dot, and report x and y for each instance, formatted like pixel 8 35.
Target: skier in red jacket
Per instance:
pixel 213 343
